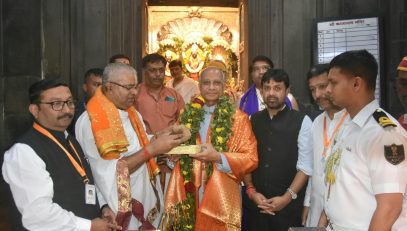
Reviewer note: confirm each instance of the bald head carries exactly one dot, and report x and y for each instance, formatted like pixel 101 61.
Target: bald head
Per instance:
pixel 212 71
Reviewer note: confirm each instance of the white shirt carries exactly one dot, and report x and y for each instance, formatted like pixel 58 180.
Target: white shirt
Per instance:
pixel 314 197
pixel 33 191
pixel 186 88
pixel 260 100
pixel 304 141
pixel 364 172
pixel 104 171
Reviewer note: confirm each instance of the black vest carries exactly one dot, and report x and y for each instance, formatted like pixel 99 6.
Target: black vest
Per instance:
pixel 69 189
pixel 277 143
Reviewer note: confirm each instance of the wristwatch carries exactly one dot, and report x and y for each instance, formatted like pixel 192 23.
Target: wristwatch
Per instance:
pixel 293 194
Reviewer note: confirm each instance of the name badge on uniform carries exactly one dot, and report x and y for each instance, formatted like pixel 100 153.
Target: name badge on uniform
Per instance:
pixel 90 194
pixel 169 99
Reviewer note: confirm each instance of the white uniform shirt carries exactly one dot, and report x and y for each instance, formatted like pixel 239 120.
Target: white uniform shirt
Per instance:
pixel 33 190
pixel 186 88
pixel 314 197
pixel 363 172
pixel 104 171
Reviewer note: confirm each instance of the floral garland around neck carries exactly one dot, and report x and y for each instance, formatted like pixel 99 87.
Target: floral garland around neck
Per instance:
pixel 220 130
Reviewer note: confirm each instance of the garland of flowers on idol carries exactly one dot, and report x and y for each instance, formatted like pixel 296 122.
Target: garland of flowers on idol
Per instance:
pixel 221 130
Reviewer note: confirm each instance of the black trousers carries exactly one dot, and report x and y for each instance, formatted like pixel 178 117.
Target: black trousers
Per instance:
pixel 280 222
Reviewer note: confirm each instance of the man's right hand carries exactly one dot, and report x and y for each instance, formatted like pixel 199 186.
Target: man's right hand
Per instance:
pixel 261 201
pixel 164 143
pixel 99 224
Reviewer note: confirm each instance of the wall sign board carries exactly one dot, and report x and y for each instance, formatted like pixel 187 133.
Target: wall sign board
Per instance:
pixel 335 36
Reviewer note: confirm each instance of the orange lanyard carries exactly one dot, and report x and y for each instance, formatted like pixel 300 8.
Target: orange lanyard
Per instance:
pixel 327 141
pixel 79 168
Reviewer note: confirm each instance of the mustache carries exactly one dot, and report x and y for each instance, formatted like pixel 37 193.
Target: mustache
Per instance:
pixel 66 115
pixel 323 98
pixel 271 98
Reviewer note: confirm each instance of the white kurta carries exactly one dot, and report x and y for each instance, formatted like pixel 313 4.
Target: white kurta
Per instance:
pixel 364 172
pixel 260 101
pixel 186 88
pixel 104 171
pixel 314 197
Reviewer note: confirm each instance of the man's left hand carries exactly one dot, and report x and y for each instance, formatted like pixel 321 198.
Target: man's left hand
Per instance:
pixel 208 154
pixel 280 202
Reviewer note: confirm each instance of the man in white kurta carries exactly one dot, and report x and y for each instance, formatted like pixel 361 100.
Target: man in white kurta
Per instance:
pixel 314 197
pixel 112 103
pixel 105 170
pixel 324 128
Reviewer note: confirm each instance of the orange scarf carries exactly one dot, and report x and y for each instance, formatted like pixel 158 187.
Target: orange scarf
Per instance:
pixel 220 206
pixel 108 129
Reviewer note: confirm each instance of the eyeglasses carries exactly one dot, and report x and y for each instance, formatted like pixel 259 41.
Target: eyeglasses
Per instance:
pixel 59 105
pixel 127 87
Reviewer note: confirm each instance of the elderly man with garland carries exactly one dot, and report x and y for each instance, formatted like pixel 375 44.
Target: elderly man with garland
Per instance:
pixel 204 187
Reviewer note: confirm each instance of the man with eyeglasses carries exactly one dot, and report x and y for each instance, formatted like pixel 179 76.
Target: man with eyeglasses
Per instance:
pixel 228 152
pixel 121 154
pixel 49 177
pixel 159 105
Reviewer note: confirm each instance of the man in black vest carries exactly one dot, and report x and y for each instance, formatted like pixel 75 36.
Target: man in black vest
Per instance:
pixel 275 190
pixel 51 181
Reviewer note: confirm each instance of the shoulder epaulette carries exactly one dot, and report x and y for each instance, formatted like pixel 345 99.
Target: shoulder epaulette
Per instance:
pixel 383 119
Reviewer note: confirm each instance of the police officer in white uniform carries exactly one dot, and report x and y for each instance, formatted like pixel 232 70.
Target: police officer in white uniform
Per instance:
pixel 366 173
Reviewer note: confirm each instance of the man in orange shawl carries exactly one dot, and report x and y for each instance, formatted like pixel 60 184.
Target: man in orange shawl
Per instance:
pixel 217 195
pixel 113 138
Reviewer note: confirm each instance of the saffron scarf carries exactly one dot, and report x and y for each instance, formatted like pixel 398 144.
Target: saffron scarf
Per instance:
pixel 108 129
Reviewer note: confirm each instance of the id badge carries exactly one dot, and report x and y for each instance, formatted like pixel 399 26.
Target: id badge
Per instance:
pixel 90 194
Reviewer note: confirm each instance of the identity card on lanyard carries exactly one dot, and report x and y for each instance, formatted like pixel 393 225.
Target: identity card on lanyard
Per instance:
pixel 90 190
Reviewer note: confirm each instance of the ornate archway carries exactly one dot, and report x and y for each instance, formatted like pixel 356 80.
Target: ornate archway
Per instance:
pixel 196 40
